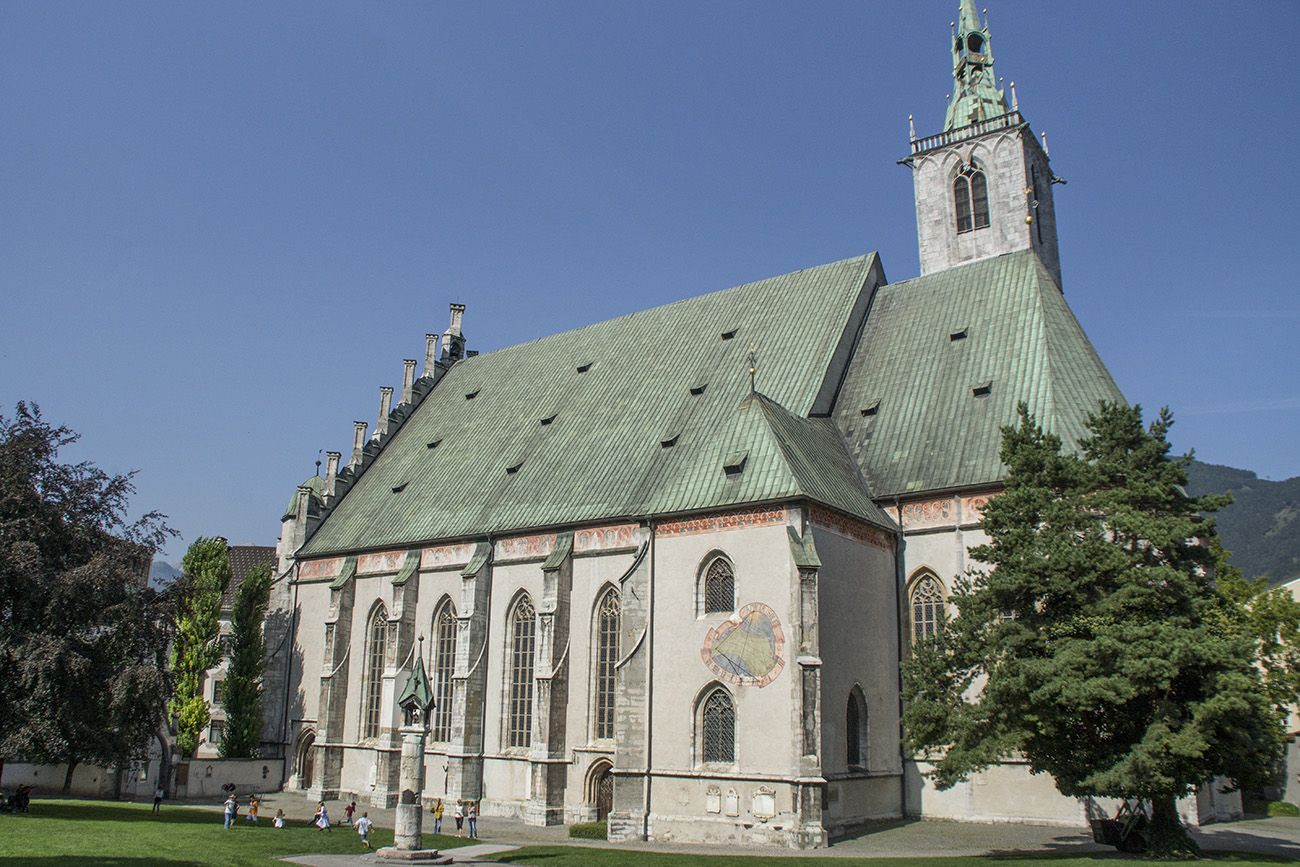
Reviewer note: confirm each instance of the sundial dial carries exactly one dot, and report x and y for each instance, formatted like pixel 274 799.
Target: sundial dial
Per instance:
pixel 746 647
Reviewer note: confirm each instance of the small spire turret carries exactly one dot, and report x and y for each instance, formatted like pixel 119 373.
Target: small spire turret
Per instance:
pixel 976 95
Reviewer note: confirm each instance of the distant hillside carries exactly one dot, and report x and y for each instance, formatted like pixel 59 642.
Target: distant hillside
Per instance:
pixel 1262 526
pixel 162 573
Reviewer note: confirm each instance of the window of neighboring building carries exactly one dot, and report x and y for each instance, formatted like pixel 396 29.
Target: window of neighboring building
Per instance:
pixel 970 192
pixel 608 612
pixel 718 728
pixel 218 690
pixel 216 731
pixel 372 689
pixel 444 665
pixel 855 728
pixel 927 607
pixel 523 642
pixel 719 591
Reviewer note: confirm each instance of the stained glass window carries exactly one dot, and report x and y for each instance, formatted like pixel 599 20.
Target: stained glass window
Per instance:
pixel 373 688
pixel 607 625
pixel 855 725
pixel 523 640
pixel 444 665
pixel 719 587
pixel 718 721
pixel 979 195
pixel 970 193
pixel 927 608
pixel 961 194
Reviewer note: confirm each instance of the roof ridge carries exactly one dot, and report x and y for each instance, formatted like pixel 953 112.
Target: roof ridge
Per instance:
pixel 861 257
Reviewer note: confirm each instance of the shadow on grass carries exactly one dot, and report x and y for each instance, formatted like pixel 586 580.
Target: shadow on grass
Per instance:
pixel 95 861
pixel 98 811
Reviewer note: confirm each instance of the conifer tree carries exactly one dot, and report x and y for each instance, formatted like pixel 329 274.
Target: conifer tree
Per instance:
pixel 243 684
pixel 1094 642
pixel 205 574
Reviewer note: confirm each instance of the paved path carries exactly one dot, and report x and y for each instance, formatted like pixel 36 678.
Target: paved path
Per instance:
pixel 899 838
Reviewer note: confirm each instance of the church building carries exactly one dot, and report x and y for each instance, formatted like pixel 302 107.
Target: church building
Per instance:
pixel 671 589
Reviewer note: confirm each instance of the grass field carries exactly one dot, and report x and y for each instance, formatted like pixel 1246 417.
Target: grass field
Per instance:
pixel 84 833
pixel 120 834
pixel 573 856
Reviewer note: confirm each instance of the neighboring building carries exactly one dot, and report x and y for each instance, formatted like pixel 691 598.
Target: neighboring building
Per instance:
pixel 243 559
pixel 668 583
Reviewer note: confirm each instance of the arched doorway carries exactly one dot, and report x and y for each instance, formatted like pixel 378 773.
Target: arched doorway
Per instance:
pixel 306 760
pixel 600 788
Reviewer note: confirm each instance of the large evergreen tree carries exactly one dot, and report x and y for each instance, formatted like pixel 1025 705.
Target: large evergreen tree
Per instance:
pixel 82 635
pixel 243 684
pixel 205 574
pixel 1095 642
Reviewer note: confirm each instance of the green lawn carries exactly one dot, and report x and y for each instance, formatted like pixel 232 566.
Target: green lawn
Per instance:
pixel 575 856
pixel 128 835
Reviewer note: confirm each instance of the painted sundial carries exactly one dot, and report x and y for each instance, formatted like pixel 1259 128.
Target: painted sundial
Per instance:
pixel 746 647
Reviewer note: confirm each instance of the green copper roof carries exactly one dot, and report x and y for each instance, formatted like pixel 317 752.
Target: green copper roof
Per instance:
pixel 417 691
pixel 975 94
pixel 316 483
pixel 621 419
pixel 909 405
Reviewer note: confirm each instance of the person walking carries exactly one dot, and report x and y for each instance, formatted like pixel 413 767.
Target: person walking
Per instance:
pixel 348 811
pixel 437 815
pixel 232 806
pixel 157 798
pixel 459 816
pixel 363 828
pixel 473 820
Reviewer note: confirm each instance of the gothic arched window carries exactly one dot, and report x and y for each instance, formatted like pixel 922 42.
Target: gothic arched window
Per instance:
pixel 718 728
pixel 608 613
pixel 444 665
pixel 523 644
pixel 970 193
pixel 855 728
pixel 372 689
pixel 927 607
pixel 718 592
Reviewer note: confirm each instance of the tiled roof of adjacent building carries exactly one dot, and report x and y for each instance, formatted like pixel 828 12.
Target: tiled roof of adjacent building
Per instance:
pixel 631 417
pixel 944 361
pixel 243 558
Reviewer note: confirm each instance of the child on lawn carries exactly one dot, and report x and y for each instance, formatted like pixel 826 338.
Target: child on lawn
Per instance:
pixel 363 828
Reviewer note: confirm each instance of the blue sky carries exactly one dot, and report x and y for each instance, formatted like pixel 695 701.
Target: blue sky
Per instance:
pixel 222 226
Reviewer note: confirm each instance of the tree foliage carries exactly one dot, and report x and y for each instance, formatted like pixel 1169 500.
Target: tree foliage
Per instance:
pixel 243 684
pixel 205 574
pixel 1094 642
pixel 82 635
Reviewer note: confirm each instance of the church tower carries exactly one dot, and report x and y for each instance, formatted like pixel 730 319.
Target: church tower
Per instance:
pixel 983 184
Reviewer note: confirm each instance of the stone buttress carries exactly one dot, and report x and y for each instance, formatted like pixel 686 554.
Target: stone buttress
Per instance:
pixel 548 759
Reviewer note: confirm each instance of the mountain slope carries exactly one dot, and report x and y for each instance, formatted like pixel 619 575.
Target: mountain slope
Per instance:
pixel 1262 526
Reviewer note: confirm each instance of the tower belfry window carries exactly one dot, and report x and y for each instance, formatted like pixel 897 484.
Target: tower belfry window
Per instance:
pixel 970 192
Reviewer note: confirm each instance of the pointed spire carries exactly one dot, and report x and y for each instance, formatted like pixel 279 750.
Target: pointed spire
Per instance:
pixel 976 95
pixel 968 19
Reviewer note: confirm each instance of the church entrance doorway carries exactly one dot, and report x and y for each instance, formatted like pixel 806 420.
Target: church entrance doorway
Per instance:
pixel 600 788
pixel 306 759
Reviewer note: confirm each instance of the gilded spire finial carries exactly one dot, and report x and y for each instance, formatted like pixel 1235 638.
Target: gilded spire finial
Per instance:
pixel 753 368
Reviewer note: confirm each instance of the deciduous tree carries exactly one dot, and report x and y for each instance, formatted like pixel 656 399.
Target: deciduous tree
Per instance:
pixel 82 635
pixel 1094 641
pixel 205 574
